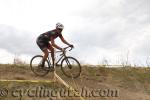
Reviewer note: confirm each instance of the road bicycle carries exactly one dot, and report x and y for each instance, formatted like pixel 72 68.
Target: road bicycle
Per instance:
pixel 70 66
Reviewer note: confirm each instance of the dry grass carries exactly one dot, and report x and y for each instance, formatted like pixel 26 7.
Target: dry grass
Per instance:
pixel 132 83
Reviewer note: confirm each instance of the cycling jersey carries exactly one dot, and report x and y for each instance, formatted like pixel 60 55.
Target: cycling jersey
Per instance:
pixel 43 40
pixel 47 35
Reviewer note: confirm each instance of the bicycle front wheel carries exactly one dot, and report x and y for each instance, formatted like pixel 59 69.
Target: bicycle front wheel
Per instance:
pixel 36 68
pixel 71 67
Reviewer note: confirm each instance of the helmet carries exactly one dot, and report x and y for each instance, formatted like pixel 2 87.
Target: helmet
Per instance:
pixel 60 26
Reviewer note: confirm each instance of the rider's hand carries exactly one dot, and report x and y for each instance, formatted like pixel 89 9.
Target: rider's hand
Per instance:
pixel 71 46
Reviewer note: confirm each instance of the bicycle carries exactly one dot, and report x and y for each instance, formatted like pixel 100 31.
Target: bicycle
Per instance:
pixel 70 66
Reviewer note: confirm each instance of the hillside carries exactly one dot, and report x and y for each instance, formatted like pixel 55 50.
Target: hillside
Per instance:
pixel 129 83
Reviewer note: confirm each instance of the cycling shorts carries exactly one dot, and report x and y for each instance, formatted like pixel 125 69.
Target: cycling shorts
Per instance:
pixel 42 43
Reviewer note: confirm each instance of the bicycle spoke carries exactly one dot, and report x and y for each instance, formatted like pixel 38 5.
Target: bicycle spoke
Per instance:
pixel 37 68
pixel 71 67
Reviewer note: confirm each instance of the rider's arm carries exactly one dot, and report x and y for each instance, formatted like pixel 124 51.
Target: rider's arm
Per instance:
pixel 63 40
pixel 54 45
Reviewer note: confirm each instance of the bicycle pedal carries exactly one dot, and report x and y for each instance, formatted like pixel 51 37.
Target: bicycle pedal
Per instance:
pixel 51 69
pixel 46 68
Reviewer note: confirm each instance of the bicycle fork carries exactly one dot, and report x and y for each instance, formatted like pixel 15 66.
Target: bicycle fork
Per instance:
pixel 68 63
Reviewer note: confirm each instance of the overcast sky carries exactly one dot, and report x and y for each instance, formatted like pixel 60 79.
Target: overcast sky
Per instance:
pixel 99 29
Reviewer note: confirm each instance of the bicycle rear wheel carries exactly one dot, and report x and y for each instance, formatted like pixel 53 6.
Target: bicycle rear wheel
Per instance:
pixel 36 68
pixel 71 67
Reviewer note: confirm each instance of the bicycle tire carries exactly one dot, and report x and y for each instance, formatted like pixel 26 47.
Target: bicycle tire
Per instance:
pixel 78 67
pixel 45 72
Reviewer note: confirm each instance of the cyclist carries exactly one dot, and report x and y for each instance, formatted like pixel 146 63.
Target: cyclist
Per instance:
pixel 43 41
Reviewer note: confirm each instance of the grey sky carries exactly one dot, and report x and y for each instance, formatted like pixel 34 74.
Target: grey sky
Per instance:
pixel 98 28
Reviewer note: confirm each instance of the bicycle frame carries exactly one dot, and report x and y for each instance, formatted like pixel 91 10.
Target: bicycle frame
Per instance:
pixel 63 61
pixel 62 55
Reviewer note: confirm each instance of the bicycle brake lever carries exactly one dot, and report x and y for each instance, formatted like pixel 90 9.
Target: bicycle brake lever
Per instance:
pixel 70 48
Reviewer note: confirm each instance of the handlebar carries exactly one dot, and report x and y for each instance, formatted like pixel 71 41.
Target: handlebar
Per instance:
pixel 65 49
pixel 68 47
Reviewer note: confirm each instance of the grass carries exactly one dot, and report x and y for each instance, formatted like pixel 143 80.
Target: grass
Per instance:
pixel 19 91
pixel 131 79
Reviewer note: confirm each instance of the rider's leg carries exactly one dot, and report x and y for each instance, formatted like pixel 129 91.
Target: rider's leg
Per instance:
pixel 45 51
pixel 43 46
pixel 50 47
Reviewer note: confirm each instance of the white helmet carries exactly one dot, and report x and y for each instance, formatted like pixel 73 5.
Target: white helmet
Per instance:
pixel 60 26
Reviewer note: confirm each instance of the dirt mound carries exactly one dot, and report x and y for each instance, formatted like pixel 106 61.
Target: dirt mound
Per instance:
pixel 98 82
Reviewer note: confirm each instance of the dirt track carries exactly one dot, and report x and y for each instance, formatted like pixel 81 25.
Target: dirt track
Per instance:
pixel 132 83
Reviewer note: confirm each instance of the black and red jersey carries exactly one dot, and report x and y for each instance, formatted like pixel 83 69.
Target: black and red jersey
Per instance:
pixel 47 35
